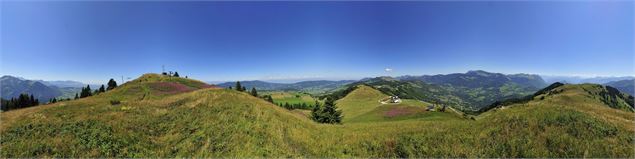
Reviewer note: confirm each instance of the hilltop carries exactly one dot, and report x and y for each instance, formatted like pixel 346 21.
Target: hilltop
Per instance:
pixel 363 105
pixel 163 116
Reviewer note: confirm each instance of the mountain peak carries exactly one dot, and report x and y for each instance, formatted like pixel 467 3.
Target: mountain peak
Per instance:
pixel 479 72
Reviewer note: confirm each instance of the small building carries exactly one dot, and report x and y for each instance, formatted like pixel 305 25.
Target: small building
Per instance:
pixel 395 99
pixel 430 108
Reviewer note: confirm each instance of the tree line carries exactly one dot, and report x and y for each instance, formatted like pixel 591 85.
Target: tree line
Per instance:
pixel 22 101
pixel 26 100
pixel 87 92
pixel 292 106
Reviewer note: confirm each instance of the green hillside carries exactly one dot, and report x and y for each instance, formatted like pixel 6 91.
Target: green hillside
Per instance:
pixel 291 97
pixel 176 117
pixel 363 105
pixel 362 100
pixel 471 92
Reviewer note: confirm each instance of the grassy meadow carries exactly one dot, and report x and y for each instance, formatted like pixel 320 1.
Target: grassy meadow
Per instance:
pixel 176 117
pixel 292 97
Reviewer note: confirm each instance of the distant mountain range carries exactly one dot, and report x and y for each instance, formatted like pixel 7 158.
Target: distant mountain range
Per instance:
pixel 472 90
pixel 63 84
pixel 626 86
pixel 13 87
pixel 42 90
pixel 579 80
pixel 307 86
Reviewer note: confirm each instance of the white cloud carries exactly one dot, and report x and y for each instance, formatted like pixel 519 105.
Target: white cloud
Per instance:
pixel 388 69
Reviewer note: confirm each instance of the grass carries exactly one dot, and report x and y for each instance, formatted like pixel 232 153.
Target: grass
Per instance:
pixel 280 97
pixel 363 105
pixel 211 122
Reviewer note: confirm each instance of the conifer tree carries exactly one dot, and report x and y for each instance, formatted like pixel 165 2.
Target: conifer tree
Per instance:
pixel 112 84
pixel 238 86
pixel 102 89
pixel 76 96
pixel 85 92
pixel 243 89
pixel 176 74
pixel 326 114
pixel 269 99
pixel 315 112
pixel 254 92
pixel 332 115
pixel 286 105
pixel 32 101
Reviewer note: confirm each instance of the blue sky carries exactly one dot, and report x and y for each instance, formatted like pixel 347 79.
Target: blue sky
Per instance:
pixel 218 41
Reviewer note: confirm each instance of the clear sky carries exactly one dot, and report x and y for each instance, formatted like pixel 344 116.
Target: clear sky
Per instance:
pixel 217 41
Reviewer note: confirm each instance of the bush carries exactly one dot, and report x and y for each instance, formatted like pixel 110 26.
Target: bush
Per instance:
pixel 115 102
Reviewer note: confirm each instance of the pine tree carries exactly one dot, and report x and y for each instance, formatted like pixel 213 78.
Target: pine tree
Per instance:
pixel 269 99
pixel 32 101
pixel 303 106
pixel 76 96
pixel 112 84
pixel 102 89
pixel 315 112
pixel 332 115
pixel 286 105
pixel 243 89
pixel 85 92
pixel 176 74
pixel 238 86
pixel 89 90
pixel 327 114
pixel 254 92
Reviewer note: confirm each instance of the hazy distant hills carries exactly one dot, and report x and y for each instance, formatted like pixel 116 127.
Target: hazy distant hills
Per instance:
pixel 579 80
pixel 13 87
pixel 626 86
pixel 63 84
pixel 479 78
pixel 308 86
pixel 43 90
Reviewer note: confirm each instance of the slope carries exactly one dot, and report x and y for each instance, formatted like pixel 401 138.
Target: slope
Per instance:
pixel 211 122
pixel 153 120
pixel 361 100
pixel 363 105
pixel 469 92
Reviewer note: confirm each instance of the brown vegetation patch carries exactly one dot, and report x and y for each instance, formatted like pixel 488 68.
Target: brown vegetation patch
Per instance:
pixel 170 87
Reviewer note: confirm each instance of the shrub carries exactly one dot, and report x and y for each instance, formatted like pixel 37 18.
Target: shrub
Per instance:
pixel 115 102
